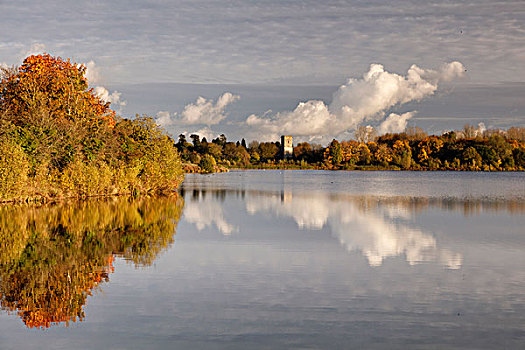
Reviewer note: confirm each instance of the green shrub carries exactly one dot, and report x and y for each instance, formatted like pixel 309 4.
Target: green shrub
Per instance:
pixel 207 164
pixel 14 167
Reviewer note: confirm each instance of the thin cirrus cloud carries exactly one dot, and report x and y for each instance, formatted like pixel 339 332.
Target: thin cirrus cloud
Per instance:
pixel 201 41
pixel 278 43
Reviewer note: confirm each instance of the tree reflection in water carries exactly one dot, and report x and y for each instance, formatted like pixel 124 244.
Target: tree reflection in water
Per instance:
pixel 52 257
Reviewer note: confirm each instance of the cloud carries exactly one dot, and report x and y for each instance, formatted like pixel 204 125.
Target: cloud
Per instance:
pixel 36 48
pixel 206 132
pixel 164 118
pixel 358 100
pixel 481 129
pixel 202 112
pixel 113 98
pixel 92 72
pixel 93 77
pixel 271 41
pixel 207 112
pixel 310 118
pixel 394 123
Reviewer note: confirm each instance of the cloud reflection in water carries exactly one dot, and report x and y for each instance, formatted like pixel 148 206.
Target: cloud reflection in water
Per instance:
pixel 377 227
pixel 207 212
pixel 363 224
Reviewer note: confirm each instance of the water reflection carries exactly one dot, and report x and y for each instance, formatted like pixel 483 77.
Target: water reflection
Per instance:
pixel 377 227
pixel 366 225
pixel 208 212
pixel 53 257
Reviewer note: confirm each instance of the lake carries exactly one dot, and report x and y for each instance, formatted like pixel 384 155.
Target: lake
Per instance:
pixel 273 260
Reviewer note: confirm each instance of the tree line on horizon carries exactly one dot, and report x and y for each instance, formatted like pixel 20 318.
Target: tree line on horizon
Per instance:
pixel 468 150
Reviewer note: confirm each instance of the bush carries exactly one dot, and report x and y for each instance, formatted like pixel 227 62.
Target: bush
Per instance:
pixel 14 167
pixel 207 164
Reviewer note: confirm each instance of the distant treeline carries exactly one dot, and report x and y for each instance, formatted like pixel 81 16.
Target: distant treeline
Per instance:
pixel 468 149
pixel 59 139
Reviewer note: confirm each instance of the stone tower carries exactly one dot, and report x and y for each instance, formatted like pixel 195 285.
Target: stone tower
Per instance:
pixel 287 147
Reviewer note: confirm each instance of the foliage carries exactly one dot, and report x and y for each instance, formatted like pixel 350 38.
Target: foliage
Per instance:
pixel 67 142
pixel 467 149
pixel 14 167
pixel 52 85
pixel 207 163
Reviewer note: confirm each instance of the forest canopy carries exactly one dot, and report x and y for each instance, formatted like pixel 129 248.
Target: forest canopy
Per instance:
pixel 59 139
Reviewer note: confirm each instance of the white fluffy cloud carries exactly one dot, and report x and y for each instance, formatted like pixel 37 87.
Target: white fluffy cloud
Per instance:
pixel 394 123
pixel 201 112
pixel 481 129
pixel 206 132
pixel 164 118
pixel 94 76
pixel 113 98
pixel 357 101
pixel 92 72
pixel 207 112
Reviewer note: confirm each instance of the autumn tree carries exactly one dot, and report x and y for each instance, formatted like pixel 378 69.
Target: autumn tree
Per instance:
pixel 207 163
pixel 415 133
pixel 469 131
pixel 516 133
pixel 302 150
pixel 334 153
pixel 472 158
pixel 268 150
pixel 46 86
pixel 73 144
pixel 49 109
pixel 402 154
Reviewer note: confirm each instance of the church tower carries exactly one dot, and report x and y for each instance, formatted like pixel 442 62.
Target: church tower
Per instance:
pixel 286 147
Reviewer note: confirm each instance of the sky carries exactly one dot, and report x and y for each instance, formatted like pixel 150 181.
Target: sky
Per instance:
pixel 349 62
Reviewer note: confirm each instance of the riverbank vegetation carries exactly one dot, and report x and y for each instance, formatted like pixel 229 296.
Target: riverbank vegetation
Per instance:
pixel 466 150
pixel 59 139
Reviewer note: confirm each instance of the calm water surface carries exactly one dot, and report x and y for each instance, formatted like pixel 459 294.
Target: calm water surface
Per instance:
pixel 274 260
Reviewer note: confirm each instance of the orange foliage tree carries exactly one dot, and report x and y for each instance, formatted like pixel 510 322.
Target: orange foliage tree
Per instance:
pixel 53 86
